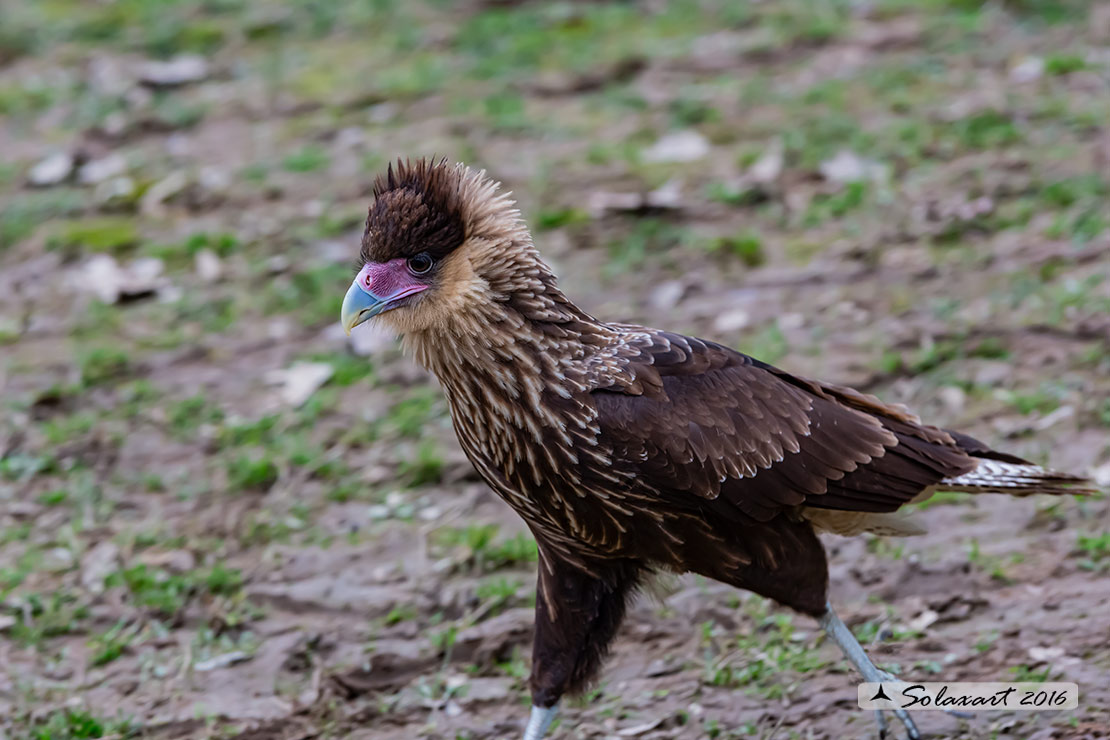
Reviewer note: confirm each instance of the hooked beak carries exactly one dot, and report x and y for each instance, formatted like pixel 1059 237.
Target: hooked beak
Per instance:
pixel 358 306
pixel 363 303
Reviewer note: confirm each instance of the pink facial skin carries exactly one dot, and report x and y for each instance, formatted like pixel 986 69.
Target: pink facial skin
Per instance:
pixel 378 287
pixel 389 281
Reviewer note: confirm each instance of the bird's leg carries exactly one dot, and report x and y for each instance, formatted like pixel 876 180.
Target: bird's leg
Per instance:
pixel 577 615
pixel 856 655
pixel 538 722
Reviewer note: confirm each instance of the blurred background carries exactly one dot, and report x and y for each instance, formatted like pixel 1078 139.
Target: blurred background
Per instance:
pixel 220 517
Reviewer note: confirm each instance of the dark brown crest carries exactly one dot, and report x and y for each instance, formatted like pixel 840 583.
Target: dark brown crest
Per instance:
pixel 416 209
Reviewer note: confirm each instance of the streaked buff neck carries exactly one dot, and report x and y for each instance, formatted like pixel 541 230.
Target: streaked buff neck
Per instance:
pixel 518 323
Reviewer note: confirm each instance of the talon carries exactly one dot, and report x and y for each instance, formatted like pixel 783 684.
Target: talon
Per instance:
pixel 880 720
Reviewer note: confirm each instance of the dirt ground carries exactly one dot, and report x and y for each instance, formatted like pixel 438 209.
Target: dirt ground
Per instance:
pixel 220 517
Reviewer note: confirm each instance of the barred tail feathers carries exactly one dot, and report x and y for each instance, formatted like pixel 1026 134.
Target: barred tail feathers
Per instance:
pixel 1017 479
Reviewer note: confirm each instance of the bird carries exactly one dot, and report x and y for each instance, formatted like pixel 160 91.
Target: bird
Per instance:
pixel 630 451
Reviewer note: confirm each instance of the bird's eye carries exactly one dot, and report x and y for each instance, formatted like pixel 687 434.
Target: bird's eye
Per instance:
pixel 420 264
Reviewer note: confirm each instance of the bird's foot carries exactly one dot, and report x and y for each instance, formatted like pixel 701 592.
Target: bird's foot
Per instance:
pixel 912 733
pixel 538 721
pixel 856 655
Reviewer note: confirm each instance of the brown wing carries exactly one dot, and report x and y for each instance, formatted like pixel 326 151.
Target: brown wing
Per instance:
pixel 695 419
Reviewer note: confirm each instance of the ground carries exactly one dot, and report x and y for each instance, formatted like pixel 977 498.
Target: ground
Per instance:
pixel 219 518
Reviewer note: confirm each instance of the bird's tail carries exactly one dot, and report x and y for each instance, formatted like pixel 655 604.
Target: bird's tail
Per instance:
pixel 1016 479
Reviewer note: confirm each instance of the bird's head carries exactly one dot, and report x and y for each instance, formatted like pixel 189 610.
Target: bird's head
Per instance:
pixel 440 241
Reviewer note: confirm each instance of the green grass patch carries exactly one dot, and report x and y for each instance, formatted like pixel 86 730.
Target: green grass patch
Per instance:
pixel 425 466
pixel 760 657
pixel 487 551
pixel 309 158
pixel 166 594
pixel 108 234
pixel 558 218
pixel 42 616
pixel 746 247
pixel 103 365
pixel 987 129
pixel 1094 550
pixel 1060 64
pixel 313 295
pixel 79 724
pixel 186 416
pixel 251 474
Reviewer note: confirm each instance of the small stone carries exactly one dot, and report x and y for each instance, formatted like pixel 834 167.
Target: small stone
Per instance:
pixel 313 208
pixel 111 282
pixel 170 294
pixel 57 560
pixel 660 667
pixel 666 295
pixel 178 145
pixel 350 138
pixel 1029 69
pixel 1045 654
pixel 208 265
pixel 769 166
pixel 138 98
pixel 163 190
pixel 214 180
pixel 637 730
pixel 98 170
pixel 279 329
pixel 1054 418
pixel 114 192
pixel 106 76
pixel 277 264
pixel 924 620
pixel 849 167
pixel 430 513
pixel 666 196
pixel 383 112
pixel 603 201
pixel 377 512
pixel 181 70
pixel 678 146
pixel 221 661
pixel 791 321
pixel 97 564
pixel 479 689
pixel 733 320
pixel 115 123
pixel 7 621
pixel 1101 475
pixel 53 170
pixel 300 380
pixel 993 372
pixel 175 561
pixel 953 398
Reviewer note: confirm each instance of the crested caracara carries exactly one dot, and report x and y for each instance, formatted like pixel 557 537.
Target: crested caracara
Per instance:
pixel 629 450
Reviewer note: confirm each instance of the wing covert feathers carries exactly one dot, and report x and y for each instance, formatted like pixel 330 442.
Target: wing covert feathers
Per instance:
pixel 703 425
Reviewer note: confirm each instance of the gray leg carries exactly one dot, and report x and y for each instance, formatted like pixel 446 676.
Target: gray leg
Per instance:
pixel 855 654
pixel 539 721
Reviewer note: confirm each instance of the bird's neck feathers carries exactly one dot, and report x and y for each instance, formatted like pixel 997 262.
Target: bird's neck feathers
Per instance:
pixel 504 312
pixel 499 304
